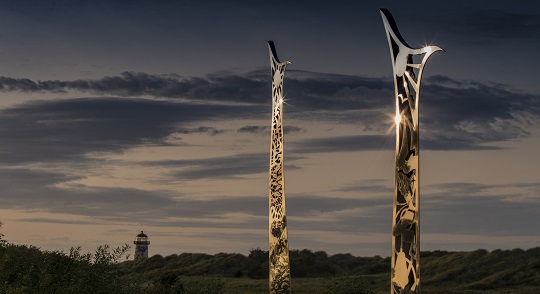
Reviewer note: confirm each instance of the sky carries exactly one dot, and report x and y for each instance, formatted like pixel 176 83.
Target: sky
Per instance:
pixel 122 116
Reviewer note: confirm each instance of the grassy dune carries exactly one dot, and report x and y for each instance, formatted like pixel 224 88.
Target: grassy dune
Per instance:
pixel 27 269
pixel 479 271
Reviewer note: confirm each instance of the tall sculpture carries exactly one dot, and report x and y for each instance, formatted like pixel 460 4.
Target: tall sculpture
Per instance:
pixel 406 209
pixel 280 270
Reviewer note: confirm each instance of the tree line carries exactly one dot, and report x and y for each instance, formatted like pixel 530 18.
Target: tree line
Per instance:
pixel 28 269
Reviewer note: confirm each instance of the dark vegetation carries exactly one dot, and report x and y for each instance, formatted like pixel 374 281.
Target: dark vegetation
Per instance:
pixel 476 271
pixel 27 269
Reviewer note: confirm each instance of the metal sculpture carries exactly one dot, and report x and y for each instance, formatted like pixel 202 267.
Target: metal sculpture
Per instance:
pixel 406 208
pixel 280 270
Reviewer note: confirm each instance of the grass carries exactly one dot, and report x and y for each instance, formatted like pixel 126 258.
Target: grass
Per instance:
pixel 299 285
pixel 377 283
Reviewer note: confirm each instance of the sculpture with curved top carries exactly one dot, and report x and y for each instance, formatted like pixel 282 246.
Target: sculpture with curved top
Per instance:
pixel 405 272
pixel 280 271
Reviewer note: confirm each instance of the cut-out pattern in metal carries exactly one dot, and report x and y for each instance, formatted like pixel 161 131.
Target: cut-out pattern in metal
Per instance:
pixel 280 271
pixel 406 209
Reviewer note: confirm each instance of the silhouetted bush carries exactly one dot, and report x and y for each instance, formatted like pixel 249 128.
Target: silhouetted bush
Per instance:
pixel 27 269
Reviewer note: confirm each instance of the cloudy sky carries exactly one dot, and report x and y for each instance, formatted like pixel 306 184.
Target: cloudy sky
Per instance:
pixel 122 116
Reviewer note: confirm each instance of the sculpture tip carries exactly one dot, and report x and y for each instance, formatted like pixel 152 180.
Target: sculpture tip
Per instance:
pixel 385 12
pixel 433 49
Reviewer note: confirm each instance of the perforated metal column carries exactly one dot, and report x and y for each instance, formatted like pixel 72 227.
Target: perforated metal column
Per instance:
pixel 279 276
pixel 406 208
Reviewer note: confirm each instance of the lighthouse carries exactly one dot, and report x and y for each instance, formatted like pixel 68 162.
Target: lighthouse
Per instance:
pixel 141 245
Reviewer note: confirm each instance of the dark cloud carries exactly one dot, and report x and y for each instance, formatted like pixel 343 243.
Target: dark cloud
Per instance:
pixel 446 144
pixel 227 88
pixel 379 142
pixel 254 129
pixel 313 212
pixel 473 100
pixel 34 190
pixel 29 190
pixel 321 91
pixel 54 221
pixel 455 114
pixel 475 113
pixel 342 144
pixel 307 90
pixel 467 208
pixel 203 129
pixel 265 130
pixel 67 129
pixel 234 166
pixel 222 167
pixel 450 208
pixel 24 189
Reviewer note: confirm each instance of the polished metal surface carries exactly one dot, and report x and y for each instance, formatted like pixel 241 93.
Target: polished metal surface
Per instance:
pixel 408 66
pixel 280 271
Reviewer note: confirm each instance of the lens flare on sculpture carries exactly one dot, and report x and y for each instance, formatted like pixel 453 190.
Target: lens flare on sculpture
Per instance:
pixel 280 270
pixel 406 208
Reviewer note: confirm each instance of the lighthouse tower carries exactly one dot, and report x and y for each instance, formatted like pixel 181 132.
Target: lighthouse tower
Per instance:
pixel 141 245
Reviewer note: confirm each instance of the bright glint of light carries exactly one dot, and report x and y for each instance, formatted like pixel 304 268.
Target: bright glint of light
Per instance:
pixel 398 119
